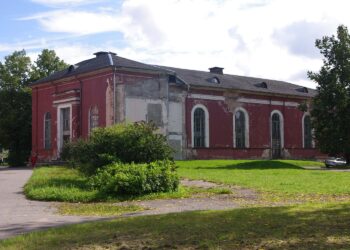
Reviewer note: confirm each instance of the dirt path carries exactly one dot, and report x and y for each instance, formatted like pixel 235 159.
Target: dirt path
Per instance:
pixel 212 202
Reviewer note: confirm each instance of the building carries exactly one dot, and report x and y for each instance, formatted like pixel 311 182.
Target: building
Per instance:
pixel 203 114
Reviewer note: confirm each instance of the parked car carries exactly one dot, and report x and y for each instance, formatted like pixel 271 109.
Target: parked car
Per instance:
pixel 335 162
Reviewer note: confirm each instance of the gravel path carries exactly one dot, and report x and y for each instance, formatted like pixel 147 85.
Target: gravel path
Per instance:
pixel 19 215
pixel 214 202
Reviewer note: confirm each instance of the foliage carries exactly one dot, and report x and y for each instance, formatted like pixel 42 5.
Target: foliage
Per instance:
pixel 137 179
pixel 70 185
pixel 127 143
pixel 291 227
pixel 46 64
pixel 16 72
pixel 330 113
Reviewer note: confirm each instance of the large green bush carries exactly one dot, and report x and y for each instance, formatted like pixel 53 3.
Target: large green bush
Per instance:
pixel 137 142
pixel 136 179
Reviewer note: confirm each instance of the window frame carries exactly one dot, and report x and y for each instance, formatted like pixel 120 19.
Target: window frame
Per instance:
pixel 281 126
pixel 312 144
pixel 246 128
pixel 206 124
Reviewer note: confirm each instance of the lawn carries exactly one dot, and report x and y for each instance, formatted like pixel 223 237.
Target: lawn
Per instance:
pixel 58 183
pixel 293 227
pixel 284 177
pixel 311 225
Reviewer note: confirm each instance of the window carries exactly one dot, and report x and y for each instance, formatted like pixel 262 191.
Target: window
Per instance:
pixel 240 129
pixel 93 118
pixel 307 130
pixel 47 131
pixel 277 134
pixel 200 126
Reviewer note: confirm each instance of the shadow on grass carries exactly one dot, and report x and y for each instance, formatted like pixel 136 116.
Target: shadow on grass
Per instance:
pixel 252 228
pixel 253 165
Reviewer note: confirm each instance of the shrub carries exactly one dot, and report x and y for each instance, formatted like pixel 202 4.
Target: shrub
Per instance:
pixel 136 179
pixel 127 143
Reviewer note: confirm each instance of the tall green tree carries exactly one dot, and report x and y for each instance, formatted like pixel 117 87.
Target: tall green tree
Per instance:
pixel 46 64
pixel 331 106
pixel 16 73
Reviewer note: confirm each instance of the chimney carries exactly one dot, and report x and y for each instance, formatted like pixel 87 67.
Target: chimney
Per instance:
pixel 101 53
pixel 217 70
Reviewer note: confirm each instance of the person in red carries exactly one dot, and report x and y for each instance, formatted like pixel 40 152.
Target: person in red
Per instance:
pixel 33 160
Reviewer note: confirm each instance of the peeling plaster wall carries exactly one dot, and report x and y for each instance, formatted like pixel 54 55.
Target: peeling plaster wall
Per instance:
pixel 153 100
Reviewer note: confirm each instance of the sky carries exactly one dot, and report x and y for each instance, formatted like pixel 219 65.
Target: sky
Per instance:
pixel 271 39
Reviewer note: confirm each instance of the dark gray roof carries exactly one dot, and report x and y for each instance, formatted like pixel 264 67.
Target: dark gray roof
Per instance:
pixel 102 60
pixel 191 77
pixel 245 83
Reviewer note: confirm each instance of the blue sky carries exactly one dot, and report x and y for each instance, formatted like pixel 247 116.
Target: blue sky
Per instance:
pixel 263 38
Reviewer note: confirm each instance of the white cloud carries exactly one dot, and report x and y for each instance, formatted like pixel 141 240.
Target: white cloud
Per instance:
pixel 58 3
pixel 254 37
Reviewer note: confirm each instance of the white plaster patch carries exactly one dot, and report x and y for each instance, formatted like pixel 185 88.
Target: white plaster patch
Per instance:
pixel 267 102
pixel 207 97
pixel 175 117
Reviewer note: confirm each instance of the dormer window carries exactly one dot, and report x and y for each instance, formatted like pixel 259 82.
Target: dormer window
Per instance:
pixel 214 80
pixel 261 85
pixel 72 68
pixel 303 90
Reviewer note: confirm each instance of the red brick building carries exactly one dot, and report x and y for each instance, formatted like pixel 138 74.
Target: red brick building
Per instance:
pixel 203 114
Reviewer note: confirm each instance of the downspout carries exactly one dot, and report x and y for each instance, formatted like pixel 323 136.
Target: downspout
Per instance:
pixel 37 120
pixel 114 97
pixel 81 107
pixel 114 87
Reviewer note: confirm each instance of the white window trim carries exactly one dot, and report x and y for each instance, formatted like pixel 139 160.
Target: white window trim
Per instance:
pixel 303 130
pixel 246 131
pixel 59 107
pixel 45 130
pixel 281 127
pixel 206 124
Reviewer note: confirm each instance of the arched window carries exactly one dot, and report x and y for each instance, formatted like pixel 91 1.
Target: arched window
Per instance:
pixel 47 130
pixel 200 127
pixel 277 134
pixel 307 132
pixel 240 129
pixel 93 118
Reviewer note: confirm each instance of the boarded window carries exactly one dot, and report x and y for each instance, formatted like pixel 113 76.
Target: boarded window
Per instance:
pixel 199 128
pixel 93 118
pixel 307 132
pixel 154 114
pixel 47 131
pixel 240 128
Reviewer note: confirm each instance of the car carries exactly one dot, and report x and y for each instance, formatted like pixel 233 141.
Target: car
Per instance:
pixel 335 162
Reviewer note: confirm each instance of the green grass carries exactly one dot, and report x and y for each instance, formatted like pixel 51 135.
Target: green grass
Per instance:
pixel 297 227
pixel 68 185
pixel 96 209
pixel 285 177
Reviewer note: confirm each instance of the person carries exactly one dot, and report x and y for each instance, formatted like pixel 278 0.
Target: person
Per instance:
pixel 33 160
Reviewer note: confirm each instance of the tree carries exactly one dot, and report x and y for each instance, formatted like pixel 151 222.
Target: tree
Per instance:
pixel 331 106
pixel 46 64
pixel 16 73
